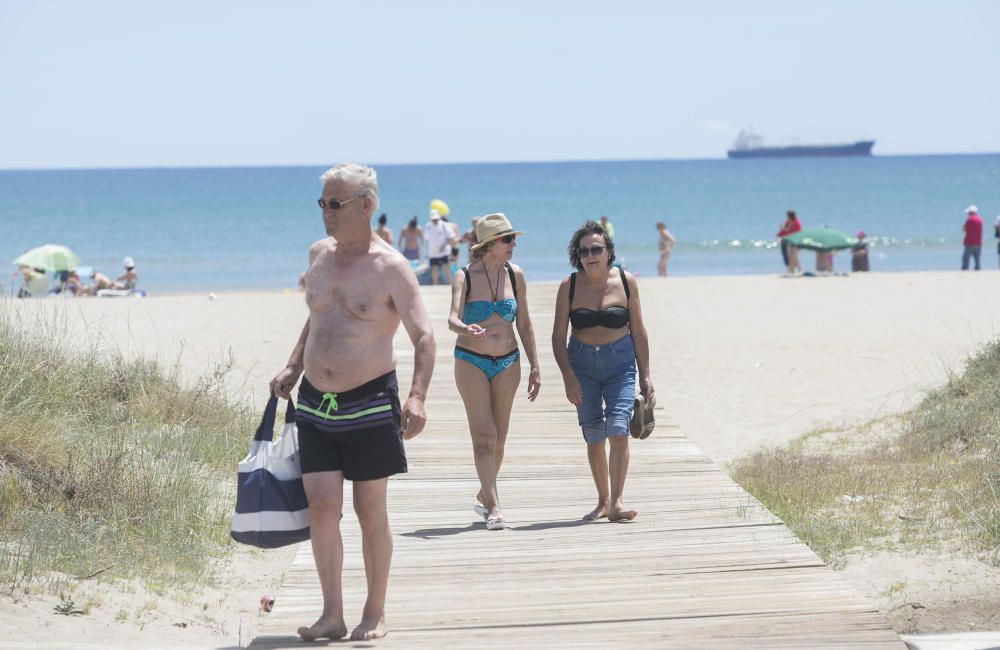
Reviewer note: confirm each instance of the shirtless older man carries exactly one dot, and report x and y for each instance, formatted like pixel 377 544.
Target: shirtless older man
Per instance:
pixel 350 423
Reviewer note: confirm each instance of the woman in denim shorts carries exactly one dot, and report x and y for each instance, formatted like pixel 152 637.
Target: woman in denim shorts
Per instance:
pixel 608 343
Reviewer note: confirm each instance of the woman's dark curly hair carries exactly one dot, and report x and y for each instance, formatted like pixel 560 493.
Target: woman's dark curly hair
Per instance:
pixel 589 228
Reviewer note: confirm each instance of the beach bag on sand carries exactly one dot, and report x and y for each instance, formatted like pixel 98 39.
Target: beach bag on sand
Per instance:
pixel 271 506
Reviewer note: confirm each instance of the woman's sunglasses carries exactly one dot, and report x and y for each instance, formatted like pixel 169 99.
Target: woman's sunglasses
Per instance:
pixel 593 250
pixel 507 238
pixel 334 205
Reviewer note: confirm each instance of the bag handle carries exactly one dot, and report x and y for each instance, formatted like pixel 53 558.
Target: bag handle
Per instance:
pixel 265 432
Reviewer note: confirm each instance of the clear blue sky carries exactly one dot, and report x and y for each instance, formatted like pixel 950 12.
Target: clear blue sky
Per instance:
pixel 133 84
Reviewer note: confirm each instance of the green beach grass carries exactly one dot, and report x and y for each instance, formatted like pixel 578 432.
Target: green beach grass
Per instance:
pixel 109 466
pixel 925 480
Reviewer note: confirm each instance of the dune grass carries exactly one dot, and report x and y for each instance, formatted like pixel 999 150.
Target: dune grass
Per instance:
pixel 108 466
pixel 928 479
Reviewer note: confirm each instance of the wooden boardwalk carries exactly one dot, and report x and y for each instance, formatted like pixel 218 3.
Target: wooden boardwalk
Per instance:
pixel 703 565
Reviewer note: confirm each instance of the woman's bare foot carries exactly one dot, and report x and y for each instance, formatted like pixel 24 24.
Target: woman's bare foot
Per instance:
pixel 620 514
pixel 600 512
pixel 369 629
pixel 324 629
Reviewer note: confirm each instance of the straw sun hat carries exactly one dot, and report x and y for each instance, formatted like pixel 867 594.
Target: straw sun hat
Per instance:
pixel 491 227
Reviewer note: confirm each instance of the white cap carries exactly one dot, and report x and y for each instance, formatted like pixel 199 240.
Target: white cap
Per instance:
pixel 128 262
pixel 435 215
pixel 972 210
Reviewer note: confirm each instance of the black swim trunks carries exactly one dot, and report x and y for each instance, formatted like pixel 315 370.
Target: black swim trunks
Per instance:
pixel 438 261
pixel 355 431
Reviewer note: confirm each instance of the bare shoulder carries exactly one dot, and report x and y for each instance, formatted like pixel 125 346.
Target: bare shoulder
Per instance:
pixel 518 271
pixel 391 264
pixel 327 243
pixel 563 289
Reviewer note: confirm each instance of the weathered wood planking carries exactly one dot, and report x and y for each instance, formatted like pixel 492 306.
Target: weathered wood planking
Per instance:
pixel 704 565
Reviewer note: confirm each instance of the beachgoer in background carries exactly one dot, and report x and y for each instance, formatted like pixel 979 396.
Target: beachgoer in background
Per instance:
pixel 470 239
pixel 383 230
pixel 608 227
pixel 996 233
pixel 33 283
pixel 488 298
pixel 824 261
pixel 60 278
pixel 129 278
pixel 973 241
pixel 454 241
pixel 438 247
pixel 667 242
pixel 100 281
pixel 608 342
pixel 411 240
pixel 72 285
pixel 789 253
pixel 859 254
pixel 346 355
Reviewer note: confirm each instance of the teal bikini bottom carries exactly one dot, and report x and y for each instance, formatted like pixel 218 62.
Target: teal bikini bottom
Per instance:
pixel 490 365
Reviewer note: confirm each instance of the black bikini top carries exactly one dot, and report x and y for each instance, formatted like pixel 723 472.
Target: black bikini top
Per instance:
pixel 613 317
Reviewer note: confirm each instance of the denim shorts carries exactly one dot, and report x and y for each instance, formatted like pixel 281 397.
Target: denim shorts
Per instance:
pixel 607 383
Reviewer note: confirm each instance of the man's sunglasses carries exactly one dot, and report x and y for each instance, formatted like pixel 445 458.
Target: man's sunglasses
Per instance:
pixel 507 238
pixel 335 205
pixel 593 250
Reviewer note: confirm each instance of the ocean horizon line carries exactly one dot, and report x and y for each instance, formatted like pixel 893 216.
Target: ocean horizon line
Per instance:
pixel 483 163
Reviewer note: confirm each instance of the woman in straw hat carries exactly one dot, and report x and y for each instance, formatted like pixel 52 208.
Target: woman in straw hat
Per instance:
pixel 488 298
pixel 599 365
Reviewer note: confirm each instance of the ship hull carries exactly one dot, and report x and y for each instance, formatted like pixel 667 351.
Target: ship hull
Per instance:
pixel 862 148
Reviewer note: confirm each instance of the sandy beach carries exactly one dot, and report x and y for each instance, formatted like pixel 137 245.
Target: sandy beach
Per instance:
pixel 738 362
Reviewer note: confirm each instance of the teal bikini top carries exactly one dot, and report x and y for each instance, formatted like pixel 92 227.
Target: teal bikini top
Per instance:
pixel 479 310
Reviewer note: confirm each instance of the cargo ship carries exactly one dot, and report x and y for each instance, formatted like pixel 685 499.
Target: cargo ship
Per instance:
pixel 750 145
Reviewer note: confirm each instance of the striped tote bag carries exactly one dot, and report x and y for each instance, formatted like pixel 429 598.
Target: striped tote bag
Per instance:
pixel 271 506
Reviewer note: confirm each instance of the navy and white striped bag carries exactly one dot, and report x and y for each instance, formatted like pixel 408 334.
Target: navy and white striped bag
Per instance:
pixel 271 506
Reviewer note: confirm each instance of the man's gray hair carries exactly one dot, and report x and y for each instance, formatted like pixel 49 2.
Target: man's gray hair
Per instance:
pixel 361 177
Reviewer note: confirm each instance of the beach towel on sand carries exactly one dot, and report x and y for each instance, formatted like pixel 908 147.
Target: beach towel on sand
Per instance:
pixel 271 507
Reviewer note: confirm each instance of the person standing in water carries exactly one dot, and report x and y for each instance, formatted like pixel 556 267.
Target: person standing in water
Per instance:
pixel 383 230
pixel 667 242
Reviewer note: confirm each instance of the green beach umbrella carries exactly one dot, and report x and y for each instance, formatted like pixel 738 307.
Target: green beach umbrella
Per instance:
pixel 821 239
pixel 50 257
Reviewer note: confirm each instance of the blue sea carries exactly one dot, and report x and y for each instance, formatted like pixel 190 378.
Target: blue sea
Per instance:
pixel 212 229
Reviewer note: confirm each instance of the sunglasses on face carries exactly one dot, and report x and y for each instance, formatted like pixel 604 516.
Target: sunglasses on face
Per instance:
pixel 508 238
pixel 593 250
pixel 334 205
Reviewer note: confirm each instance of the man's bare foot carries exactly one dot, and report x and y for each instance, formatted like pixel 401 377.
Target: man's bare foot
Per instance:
pixel 369 629
pixel 622 515
pixel 324 629
pixel 600 512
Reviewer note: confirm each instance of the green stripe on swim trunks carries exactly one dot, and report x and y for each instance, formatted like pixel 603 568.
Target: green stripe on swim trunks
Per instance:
pixel 352 416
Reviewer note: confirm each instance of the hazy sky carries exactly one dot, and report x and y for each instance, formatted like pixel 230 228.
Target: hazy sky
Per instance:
pixel 127 84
